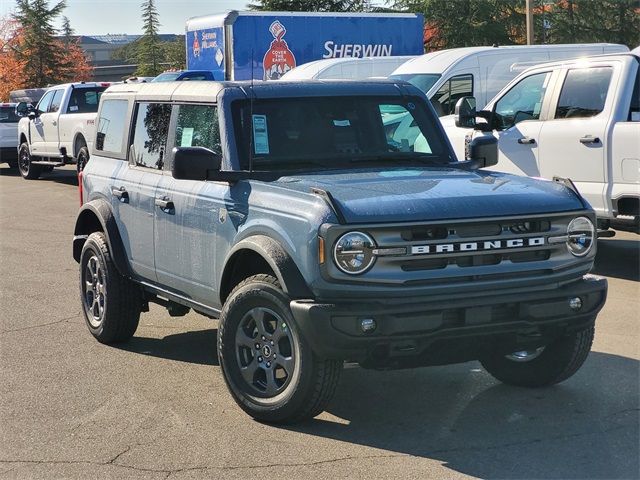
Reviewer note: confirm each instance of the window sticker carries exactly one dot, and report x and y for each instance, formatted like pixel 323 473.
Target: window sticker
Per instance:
pixel 73 108
pixel 342 123
pixel 187 137
pixel 260 135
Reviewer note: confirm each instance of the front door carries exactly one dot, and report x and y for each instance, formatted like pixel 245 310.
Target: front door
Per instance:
pixel 189 213
pixel 50 125
pixel 36 131
pixel 572 142
pixel 517 116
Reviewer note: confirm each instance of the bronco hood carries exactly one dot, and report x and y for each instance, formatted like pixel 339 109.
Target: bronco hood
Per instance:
pixel 423 194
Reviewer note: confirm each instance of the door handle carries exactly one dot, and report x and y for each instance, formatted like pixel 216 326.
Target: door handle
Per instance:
pixel 589 139
pixel 121 194
pixel 527 141
pixel 164 203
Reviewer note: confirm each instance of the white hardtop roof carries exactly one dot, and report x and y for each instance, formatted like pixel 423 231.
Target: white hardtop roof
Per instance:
pixel 438 62
pixel 586 60
pixel 311 69
pixel 187 91
pixel 219 19
pixel 81 84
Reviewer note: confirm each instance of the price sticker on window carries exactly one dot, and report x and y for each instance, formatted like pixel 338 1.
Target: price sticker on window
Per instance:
pixel 260 135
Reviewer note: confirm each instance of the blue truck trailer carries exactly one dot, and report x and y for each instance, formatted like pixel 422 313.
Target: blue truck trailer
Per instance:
pixel 265 45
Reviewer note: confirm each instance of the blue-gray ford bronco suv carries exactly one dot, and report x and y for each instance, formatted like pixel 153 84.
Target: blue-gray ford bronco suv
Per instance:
pixel 328 222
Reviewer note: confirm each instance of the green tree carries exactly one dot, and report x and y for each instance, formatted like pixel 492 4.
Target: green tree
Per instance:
pixel 311 5
pixel 576 21
pixel 67 31
pixel 40 53
pixel 175 53
pixel 450 23
pixel 149 50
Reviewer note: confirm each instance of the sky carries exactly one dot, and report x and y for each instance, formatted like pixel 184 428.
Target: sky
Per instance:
pixel 99 17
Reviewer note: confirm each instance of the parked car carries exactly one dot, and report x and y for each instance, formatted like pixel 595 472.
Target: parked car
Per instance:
pixel 183 75
pixel 285 211
pixel 346 68
pixel 448 75
pixel 576 119
pixel 9 134
pixel 60 129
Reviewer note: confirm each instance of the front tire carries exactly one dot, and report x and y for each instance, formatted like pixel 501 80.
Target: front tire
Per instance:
pixel 27 169
pixel 269 368
pixel 82 158
pixel 111 304
pixel 544 366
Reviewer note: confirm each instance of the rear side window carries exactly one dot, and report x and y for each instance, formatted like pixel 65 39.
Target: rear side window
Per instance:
pixel 111 126
pixel 149 140
pixel 634 110
pixel 197 126
pixel 84 100
pixel 444 100
pixel 57 100
pixel 584 92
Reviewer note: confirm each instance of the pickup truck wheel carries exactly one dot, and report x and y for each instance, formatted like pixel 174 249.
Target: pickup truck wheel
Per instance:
pixel 543 366
pixel 269 368
pixel 27 169
pixel 82 158
pixel 111 303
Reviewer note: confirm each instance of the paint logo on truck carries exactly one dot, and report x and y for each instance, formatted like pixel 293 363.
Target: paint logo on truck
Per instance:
pixel 279 59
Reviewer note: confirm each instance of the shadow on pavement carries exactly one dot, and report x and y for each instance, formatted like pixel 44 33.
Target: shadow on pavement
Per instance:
pixel 191 347
pixel 66 177
pixel 618 259
pixel 9 172
pixel 457 415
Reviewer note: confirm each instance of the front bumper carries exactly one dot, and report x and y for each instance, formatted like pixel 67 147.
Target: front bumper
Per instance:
pixel 446 329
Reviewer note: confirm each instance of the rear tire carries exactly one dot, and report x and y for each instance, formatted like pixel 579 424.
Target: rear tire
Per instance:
pixel 553 364
pixel 111 304
pixel 27 169
pixel 269 368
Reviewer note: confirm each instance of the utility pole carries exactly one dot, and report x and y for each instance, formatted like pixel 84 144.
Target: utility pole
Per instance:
pixel 529 7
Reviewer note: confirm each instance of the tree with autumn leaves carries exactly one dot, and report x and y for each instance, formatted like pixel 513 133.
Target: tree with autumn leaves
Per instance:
pixel 31 53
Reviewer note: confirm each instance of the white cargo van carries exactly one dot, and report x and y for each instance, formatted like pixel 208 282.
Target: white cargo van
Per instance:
pixel 480 72
pixel 346 68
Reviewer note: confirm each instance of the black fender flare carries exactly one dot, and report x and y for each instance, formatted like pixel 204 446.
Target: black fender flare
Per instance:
pixel 284 267
pixel 98 216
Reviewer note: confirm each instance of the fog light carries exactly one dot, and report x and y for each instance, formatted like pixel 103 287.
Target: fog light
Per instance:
pixel 575 303
pixel 368 325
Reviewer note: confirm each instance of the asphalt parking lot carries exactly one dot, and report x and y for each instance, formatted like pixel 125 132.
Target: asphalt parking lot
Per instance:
pixel 157 407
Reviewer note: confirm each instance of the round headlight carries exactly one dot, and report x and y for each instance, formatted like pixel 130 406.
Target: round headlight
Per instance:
pixel 353 253
pixel 580 236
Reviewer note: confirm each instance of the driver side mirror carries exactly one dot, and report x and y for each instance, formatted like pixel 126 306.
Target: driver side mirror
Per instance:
pixel 483 151
pixel 195 163
pixel 23 109
pixel 465 113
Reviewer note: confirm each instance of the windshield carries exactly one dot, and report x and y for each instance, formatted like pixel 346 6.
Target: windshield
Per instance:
pixel 166 77
pixel 424 81
pixel 8 115
pixel 337 132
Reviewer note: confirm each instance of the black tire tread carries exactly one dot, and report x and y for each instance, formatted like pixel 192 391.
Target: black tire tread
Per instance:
pixel 326 375
pixel 34 170
pixel 123 313
pixel 560 360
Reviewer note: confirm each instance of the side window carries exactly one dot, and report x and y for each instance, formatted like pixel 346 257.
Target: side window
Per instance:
pixel 197 126
pixel 523 101
pixel 584 92
pixel 84 100
pixel 111 125
pixel 150 135
pixel 444 100
pixel 57 100
pixel 45 101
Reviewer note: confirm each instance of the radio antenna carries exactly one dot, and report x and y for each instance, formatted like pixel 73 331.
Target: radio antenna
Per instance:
pixel 251 130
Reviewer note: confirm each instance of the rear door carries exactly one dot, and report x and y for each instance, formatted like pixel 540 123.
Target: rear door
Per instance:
pixel 574 139
pixel 187 224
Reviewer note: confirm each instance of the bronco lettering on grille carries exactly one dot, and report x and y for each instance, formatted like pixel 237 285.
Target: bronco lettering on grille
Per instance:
pixel 478 246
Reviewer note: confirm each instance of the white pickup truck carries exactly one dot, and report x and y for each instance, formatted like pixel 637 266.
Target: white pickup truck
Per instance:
pixel 8 134
pixel 577 119
pixel 60 129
